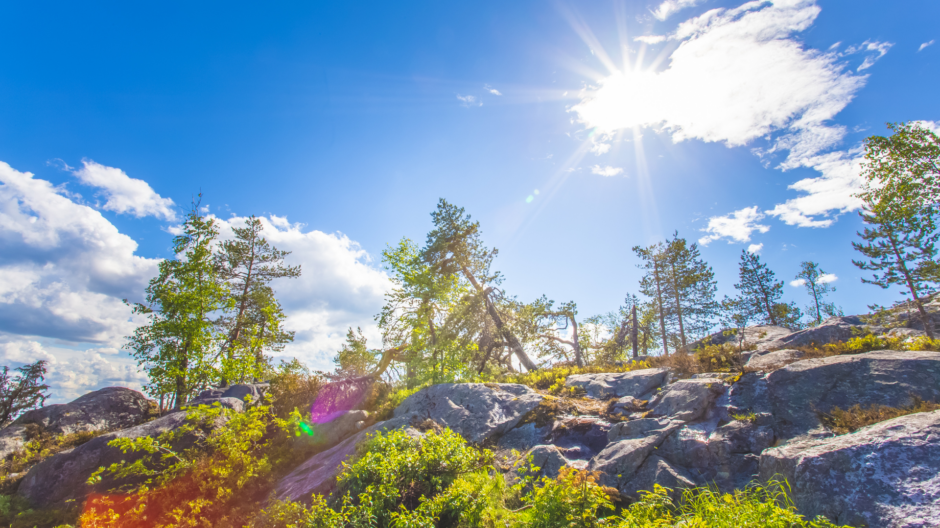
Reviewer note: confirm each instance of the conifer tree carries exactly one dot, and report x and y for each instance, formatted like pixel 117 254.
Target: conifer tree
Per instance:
pixel 654 283
pixel 690 283
pixel 24 392
pixel 813 279
pixel 247 265
pixel 761 292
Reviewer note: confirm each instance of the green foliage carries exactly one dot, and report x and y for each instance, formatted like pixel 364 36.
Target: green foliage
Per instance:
pixel 906 162
pixel 40 445
pixel 760 293
pixel 719 358
pixel 814 280
pixel 745 417
pixel 16 513
pixel 355 359
pixel 24 392
pixel 553 379
pixel 230 466
pixel 293 388
pixel 573 499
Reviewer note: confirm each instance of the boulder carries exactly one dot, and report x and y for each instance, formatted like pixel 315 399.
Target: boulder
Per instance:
pixel 580 437
pixel 105 409
pixel 225 395
pixel 475 410
pixel 656 470
pixel 771 361
pixel 523 438
pixel 617 385
pixel 750 394
pixel 619 461
pixel 636 428
pixel 547 458
pixel 801 390
pixel 626 405
pixel 63 477
pixel 12 439
pixel 688 399
pixel 726 456
pixel 884 475
pixel 753 335
pixel 342 426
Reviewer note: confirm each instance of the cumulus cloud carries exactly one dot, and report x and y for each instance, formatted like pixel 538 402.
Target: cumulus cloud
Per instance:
pixel 123 194
pixel 670 7
pixel 924 45
pixel 606 170
pixel 755 248
pixel 599 148
pixel 491 90
pixel 823 279
pixel 736 226
pixel 833 192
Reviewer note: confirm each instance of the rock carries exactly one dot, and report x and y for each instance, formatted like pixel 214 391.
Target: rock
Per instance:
pixel 750 394
pixel 523 438
pixel 726 456
pixel 886 377
pixel 344 425
pixel 753 335
pixel 905 333
pixel 626 405
pixel 63 476
pixel 579 437
pixel 318 474
pixel 619 461
pixel 617 385
pixel 475 410
pixel 830 331
pixel 101 410
pixel 229 403
pixel 884 475
pixel 656 470
pixel 688 399
pixel 547 458
pixel 770 361
pixel 636 428
pixel 225 396
pixel 12 439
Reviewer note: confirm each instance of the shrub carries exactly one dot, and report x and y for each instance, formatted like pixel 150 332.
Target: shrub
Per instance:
pixel 870 342
pixel 40 444
pixel 293 387
pixel 573 499
pixel 553 379
pixel 851 420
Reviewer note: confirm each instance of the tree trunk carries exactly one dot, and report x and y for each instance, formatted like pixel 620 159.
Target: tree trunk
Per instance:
pixel 675 285
pixel 633 332
pixel 575 343
pixel 924 317
pixel 659 300
pixel 505 333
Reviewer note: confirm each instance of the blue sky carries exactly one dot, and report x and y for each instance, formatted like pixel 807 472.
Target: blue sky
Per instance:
pixel 572 131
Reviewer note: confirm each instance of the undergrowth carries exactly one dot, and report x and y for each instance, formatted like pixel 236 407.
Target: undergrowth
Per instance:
pixel 869 343
pixel 553 379
pixel 843 421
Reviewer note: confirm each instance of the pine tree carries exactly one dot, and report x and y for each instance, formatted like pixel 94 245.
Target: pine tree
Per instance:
pixel 690 283
pixel 247 264
pixel 355 359
pixel 813 279
pixel 761 292
pixel 24 392
pixel 653 283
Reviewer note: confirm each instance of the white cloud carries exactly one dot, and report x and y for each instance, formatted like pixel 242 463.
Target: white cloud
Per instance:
pixel 823 279
pixel 736 226
pixel 339 287
pixel 491 90
pixel 797 283
pixel 469 100
pixel 924 45
pixel 650 39
pixel 755 248
pixel 124 194
pixel 606 170
pixel 876 49
pixel 669 7
pixel 738 76
pixel 600 148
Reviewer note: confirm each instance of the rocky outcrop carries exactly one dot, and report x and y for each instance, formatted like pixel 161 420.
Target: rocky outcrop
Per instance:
pixel 688 399
pixel 885 475
pixel 771 361
pixel 830 331
pixel 756 336
pixel 656 470
pixel 801 390
pixel 106 409
pixel 475 410
pixel 619 461
pixel 231 397
pixel 63 477
pixel 617 385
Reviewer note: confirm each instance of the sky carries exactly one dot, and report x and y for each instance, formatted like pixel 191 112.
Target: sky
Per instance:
pixel 572 131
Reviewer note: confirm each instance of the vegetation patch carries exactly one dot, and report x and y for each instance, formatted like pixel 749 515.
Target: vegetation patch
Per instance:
pixel 553 379
pixel 855 417
pixel 40 445
pixel 869 343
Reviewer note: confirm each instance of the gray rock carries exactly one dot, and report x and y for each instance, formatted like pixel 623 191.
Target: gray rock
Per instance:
pixel 619 461
pixel 725 456
pixel 617 385
pixel 547 458
pixel 579 437
pixel 753 335
pixel 636 428
pixel 318 474
pixel 656 470
pixel 884 475
pixel 12 439
pixel 63 477
pixel 750 394
pixel 101 410
pixel 523 438
pixel 830 331
pixel 475 410
pixel 688 399
pixel 770 361
pixel 626 405
pixel 225 395
pixel 342 426
pixel 802 389
pixel 905 333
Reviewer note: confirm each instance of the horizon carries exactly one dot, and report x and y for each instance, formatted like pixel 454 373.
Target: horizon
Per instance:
pixel 571 133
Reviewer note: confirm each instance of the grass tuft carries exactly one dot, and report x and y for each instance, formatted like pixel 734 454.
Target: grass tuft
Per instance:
pixel 843 421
